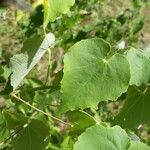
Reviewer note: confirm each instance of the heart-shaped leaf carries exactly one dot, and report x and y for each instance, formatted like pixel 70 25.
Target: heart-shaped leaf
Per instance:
pixel 103 138
pixel 91 75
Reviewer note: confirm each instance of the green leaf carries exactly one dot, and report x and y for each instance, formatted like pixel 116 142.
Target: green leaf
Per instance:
pixel 32 137
pixel 43 100
pixel 14 120
pixel 103 138
pixel 67 143
pixel 138 146
pixel 1 70
pixel 53 9
pixel 147 51
pixel 33 50
pixel 4 132
pixel 137 25
pixel 139 66
pixel 136 109
pixel 80 120
pixel 91 75
pixel 6 72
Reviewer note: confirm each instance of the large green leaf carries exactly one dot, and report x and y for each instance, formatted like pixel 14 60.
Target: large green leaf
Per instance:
pixel 136 109
pixel 139 66
pixel 138 146
pixel 91 75
pixel 33 50
pixel 80 120
pixel 103 138
pixel 54 8
pixel 32 137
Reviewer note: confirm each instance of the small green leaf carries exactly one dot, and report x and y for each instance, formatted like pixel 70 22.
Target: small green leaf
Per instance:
pixel 80 120
pixel 32 137
pixel 91 75
pixel 33 50
pixel 4 132
pixel 137 25
pixel 139 66
pixel 6 72
pixel 136 109
pixel 14 120
pixel 53 9
pixel 1 70
pixel 103 138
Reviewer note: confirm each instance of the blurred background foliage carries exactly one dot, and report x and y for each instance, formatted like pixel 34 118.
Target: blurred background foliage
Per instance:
pixel 113 20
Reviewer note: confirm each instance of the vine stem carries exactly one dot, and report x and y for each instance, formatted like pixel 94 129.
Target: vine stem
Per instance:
pixel 49 59
pixel 53 88
pixel 49 66
pixel 39 110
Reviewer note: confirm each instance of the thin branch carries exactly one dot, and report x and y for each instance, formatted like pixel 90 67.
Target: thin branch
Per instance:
pixel 49 66
pixel 53 88
pixel 41 111
pixel 54 105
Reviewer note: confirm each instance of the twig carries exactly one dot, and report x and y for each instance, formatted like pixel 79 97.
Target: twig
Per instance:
pixel 53 88
pixel 47 114
pixel 49 66
pixel 54 105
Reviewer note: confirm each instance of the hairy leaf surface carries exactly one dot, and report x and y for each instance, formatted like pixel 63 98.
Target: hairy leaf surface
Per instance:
pixel 33 50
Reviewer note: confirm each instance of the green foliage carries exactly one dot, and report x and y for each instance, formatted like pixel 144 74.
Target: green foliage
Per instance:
pixel 88 76
pixel 139 66
pixel 32 137
pixel 137 104
pixel 80 120
pixel 1 70
pixel 14 120
pixel 92 73
pixel 33 50
pixel 53 9
pixel 98 137
pixel 4 133
pixel 138 146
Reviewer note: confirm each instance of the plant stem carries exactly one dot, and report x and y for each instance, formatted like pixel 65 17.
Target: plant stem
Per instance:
pixel 47 114
pixel 49 66
pixel 49 60
pixel 53 88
